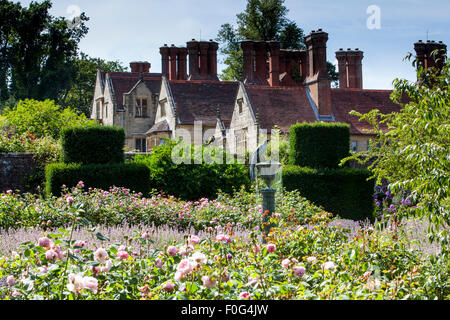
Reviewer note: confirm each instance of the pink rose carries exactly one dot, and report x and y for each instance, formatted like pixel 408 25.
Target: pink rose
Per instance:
pixel 194 240
pixel 311 259
pixel 285 263
pixel 50 255
pixel 208 281
pixel 10 281
pixel 271 248
pixel 178 276
pixel 70 200
pixel 45 243
pixel 184 266
pixel 100 255
pixel 158 263
pixel 169 286
pixel 245 296
pixel 299 271
pixel 90 283
pixel 122 254
pixel 172 251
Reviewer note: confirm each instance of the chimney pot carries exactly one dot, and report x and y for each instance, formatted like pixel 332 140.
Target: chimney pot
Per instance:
pixel 341 49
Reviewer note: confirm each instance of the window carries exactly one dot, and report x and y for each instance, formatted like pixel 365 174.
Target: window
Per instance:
pixel 240 103
pixel 141 145
pixel 141 107
pixel 97 110
pixel 354 146
pixel 163 108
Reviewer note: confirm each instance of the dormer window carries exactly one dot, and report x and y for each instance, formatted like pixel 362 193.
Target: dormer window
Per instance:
pixel 141 107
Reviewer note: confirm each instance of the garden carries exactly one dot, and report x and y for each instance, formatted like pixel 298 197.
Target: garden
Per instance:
pixel 86 236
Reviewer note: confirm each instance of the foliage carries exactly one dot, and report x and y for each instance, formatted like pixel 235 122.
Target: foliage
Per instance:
pixel 117 206
pixel 343 192
pixel 46 150
pixel 261 20
pixel 193 178
pixel 93 144
pixel 411 148
pixel 299 262
pixel 42 118
pixel 37 51
pixel 132 176
pixel 81 93
pixel 319 145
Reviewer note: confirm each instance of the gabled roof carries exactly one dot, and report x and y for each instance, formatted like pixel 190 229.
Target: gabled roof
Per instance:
pixel 200 100
pixel 124 82
pixel 162 126
pixel 363 101
pixel 281 106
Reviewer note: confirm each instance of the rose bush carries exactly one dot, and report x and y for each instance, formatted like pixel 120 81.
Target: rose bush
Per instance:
pixel 119 205
pixel 312 261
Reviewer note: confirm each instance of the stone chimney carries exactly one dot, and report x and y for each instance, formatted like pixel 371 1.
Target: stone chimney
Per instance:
pixel 350 68
pixel 317 79
pixel 202 60
pixel 431 54
pixel 140 67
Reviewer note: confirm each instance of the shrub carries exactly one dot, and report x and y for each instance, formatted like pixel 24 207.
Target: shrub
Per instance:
pixel 191 181
pixel 93 145
pixel 42 118
pixel 345 192
pixel 131 176
pixel 319 145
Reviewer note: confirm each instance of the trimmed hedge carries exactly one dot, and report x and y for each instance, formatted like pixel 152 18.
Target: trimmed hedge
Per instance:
pixel 319 145
pixel 132 176
pixel 93 145
pixel 344 192
pixel 192 181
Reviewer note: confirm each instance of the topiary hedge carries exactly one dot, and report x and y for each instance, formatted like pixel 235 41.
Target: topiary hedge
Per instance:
pixel 93 145
pixel 344 192
pixel 319 145
pixel 131 176
pixel 192 181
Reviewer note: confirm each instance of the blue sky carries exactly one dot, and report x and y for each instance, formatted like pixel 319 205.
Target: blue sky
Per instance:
pixel 130 30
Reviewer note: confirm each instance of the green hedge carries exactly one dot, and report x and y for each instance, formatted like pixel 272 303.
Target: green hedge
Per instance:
pixel 131 176
pixel 319 145
pixel 192 181
pixel 93 145
pixel 344 192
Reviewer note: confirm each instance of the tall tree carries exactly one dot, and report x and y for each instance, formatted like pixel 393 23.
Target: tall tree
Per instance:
pixel 40 51
pixel 81 93
pixel 261 20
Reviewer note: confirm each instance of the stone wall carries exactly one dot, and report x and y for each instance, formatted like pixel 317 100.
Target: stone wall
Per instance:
pixel 14 167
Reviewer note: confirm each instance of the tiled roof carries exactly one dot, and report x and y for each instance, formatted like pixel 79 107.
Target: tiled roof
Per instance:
pixel 363 101
pixel 161 126
pixel 281 106
pixel 123 82
pixel 199 100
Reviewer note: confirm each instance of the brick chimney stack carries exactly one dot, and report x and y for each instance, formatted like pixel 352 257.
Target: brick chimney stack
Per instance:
pixel 350 68
pixel 173 62
pixel 317 80
pixel 425 56
pixel 202 60
pixel 140 67
pixel 261 71
pixel 274 63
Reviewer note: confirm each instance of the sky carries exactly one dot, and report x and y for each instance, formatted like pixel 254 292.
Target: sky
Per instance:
pixel 386 30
